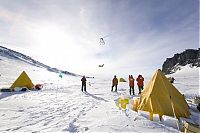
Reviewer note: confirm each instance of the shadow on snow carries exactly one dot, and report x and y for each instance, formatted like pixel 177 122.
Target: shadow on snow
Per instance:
pixel 95 97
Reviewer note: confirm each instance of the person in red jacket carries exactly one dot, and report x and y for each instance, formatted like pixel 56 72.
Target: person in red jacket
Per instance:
pixel 83 83
pixel 140 83
pixel 131 84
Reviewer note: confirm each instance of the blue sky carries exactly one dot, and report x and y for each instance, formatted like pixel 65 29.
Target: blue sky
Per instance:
pixel 140 34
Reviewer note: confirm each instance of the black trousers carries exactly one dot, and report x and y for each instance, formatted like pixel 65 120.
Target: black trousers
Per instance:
pixel 115 88
pixel 140 89
pixel 83 87
pixel 132 90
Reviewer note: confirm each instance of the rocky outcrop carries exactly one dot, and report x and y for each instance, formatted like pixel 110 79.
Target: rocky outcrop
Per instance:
pixel 189 56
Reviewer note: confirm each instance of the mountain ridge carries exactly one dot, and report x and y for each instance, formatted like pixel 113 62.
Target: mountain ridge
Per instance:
pixel 9 53
pixel 189 56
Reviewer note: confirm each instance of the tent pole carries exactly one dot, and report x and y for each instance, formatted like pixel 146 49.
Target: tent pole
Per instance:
pixel 174 112
pixel 151 116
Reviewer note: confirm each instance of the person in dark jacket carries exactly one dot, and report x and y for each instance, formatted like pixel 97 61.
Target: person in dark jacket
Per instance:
pixel 83 84
pixel 172 79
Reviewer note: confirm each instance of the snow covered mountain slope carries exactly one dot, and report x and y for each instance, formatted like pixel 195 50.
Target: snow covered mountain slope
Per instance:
pixel 11 54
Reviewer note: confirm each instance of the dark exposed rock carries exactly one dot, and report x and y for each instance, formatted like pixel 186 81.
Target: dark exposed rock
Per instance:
pixel 189 56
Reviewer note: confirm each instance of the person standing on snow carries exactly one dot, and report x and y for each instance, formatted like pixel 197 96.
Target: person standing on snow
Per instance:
pixel 83 84
pixel 172 80
pixel 131 84
pixel 114 83
pixel 140 83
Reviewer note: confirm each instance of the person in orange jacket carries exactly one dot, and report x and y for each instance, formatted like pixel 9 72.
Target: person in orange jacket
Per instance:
pixel 114 83
pixel 131 84
pixel 140 83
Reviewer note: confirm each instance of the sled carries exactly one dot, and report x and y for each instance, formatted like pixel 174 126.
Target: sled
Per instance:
pixel 196 100
pixel 5 90
pixel 191 128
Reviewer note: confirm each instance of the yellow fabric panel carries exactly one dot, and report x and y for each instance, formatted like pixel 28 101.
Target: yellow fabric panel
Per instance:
pixel 123 102
pixel 156 98
pixel 22 81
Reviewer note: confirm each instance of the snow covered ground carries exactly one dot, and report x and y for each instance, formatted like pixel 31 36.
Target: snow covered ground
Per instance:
pixel 187 81
pixel 61 106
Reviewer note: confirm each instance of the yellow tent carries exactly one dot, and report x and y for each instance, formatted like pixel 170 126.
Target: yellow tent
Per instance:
pixel 121 80
pixel 23 81
pixel 161 97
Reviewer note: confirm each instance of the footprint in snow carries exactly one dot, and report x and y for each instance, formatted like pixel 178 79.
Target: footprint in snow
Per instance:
pixel 20 110
pixel 85 128
pixel 83 113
